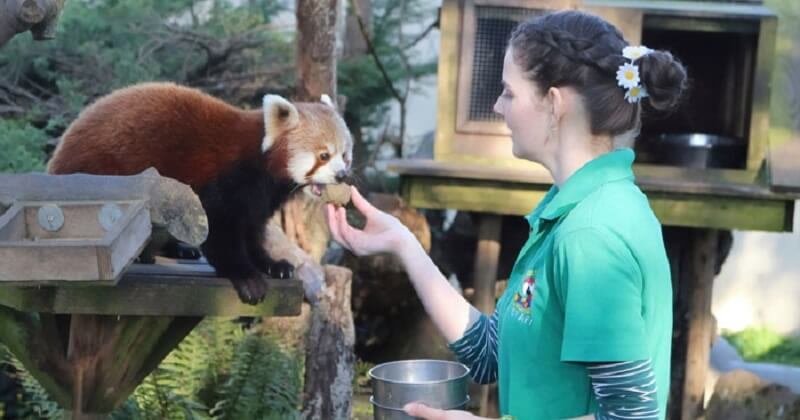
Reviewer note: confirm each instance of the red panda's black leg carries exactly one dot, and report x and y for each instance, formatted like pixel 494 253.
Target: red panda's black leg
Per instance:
pixel 238 204
pixel 281 269
pixel 225 250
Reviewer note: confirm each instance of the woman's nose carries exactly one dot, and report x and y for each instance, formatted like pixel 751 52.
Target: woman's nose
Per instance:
pixel 496 107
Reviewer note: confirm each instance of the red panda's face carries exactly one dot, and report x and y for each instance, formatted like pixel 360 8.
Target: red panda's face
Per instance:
pixel 317 145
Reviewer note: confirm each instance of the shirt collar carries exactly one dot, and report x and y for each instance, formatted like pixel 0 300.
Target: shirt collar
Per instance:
pixel 609 167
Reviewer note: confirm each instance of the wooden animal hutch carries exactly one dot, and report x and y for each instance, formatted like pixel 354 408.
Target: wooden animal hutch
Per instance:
pixel 707 167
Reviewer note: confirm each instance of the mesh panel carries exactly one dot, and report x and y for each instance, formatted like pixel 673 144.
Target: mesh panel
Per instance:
pixel 493 28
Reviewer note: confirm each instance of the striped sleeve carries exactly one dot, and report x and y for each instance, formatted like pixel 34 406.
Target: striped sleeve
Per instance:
pixel 625 390
pixel 478 349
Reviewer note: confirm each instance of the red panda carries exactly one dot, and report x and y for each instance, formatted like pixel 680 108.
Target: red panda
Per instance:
pixel 243 164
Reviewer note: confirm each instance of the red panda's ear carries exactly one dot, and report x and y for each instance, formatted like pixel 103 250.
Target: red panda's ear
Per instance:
pixel 279 115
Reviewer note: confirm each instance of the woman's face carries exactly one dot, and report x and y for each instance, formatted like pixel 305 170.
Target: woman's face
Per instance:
pixel 526 112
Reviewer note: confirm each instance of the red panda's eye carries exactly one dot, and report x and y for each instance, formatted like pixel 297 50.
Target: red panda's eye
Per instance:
pixel 324 156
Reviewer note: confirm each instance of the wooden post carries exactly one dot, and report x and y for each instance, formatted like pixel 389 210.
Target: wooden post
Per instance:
pixel 487 257
pixel 330 360
pixel 693 255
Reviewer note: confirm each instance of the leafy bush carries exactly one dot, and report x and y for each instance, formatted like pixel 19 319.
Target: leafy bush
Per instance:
pixel 759 344
pixel 219 371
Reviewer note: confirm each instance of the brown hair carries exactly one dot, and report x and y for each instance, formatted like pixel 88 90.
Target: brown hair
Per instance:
pixel 583 51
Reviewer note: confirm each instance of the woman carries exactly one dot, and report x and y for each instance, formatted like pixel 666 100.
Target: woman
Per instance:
pixel 584 327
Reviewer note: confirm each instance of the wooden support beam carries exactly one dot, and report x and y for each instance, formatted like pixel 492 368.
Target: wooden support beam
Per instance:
pixel 487 257
pixel 693 258
pixel 167 288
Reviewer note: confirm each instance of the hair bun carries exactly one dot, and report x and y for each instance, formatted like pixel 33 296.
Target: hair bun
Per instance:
pixel 664 78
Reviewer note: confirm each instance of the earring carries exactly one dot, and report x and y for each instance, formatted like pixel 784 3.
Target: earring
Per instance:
pixel 553 132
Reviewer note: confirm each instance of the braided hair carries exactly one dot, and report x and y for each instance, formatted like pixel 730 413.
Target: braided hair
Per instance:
pixel 582 51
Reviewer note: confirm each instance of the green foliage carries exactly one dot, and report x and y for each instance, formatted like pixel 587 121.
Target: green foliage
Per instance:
pixel 219 371
pixel 33 403
pixel 759 344
pixel 359 78
pixel 21 144
pixel 226 48
pixel 260 386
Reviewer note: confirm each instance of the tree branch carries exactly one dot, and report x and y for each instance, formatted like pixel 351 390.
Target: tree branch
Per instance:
pixel 371 48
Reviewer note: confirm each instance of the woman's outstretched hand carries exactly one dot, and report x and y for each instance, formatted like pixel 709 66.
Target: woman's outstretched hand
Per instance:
pixel 382 232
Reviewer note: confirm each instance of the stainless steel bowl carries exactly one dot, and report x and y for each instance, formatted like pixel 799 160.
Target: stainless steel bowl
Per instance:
pixel 437 383
pixel 692 150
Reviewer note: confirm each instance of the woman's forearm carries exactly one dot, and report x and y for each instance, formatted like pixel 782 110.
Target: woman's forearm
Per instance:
pixel 451 313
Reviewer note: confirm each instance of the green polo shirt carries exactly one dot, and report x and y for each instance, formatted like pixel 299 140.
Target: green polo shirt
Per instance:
pixel 591 284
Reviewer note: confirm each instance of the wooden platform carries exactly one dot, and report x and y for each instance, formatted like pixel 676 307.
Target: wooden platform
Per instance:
pixel 169 287
pixel 721 199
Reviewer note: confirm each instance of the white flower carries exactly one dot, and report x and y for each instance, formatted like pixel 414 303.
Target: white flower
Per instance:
pixel 633 53
pixel 635 94
pixel 628 75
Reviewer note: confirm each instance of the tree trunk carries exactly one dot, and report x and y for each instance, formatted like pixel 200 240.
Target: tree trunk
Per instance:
pixel 302 219
pixel 330 360
pixel 316 49
pixel 38 16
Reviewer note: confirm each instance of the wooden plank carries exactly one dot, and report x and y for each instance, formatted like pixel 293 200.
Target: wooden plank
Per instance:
pixel 722 212
pixel 724 182
pixel 762 78
pixel 480 196
pixel 691 210
pixel 174 290
pixel 447 77
pixel 785 167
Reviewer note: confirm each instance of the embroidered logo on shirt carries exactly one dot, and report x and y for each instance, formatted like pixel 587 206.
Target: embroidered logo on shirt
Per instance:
pixel 524 296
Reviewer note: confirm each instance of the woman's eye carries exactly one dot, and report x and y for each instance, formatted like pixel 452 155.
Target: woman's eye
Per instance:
pixel 324 156
pixel 507 94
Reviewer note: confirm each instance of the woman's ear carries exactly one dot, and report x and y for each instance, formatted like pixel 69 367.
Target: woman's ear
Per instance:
pixel 557 103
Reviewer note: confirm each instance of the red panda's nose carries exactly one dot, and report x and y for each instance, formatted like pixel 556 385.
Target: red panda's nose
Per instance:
pixel 341 175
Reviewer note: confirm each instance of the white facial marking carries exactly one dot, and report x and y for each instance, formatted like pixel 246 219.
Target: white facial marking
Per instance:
pixel 325 99
pixel 299 166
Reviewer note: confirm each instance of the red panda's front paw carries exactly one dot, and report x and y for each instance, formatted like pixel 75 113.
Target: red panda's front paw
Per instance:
pixel 281 270
pixel 251 290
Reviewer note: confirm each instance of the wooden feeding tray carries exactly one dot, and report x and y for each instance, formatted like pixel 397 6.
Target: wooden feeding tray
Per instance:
pixel 71 240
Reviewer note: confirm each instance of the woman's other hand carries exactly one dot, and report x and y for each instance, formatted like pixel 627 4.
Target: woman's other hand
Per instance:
pixel 424 412
pixel 382 232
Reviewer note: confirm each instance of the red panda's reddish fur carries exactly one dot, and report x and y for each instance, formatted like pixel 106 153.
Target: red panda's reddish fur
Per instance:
pixel 183 133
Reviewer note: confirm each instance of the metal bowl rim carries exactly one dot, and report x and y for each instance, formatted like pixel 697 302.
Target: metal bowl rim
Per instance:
pixel 704 140
pixel 376 404
pixel 371 375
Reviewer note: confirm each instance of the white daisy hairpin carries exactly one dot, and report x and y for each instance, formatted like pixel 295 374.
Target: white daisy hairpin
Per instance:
pixel 628 73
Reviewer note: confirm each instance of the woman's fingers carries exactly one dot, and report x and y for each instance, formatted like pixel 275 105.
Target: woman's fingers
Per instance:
pixel 361 203
pixel 423 411
pixel 333 223
pixel 346 232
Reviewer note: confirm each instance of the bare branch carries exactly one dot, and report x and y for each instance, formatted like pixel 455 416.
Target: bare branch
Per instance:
pixel 371 48
pixel 422 36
